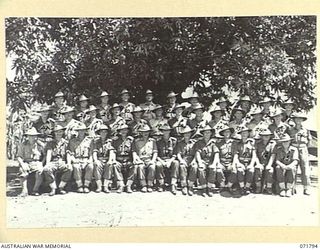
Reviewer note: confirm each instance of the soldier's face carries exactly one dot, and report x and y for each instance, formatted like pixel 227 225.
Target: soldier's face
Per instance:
pixel 116 111
pixel 137 114
pixel 217 114
pixel 93 114
pixel 223 105
pixel 277 118
pixel 265 137
pixel 187 136
pixel 207 134
pixel 298 121
pixel 145 134
pixel 266 105
pixel 238 115
pixel 59 100
pixel 286 144
pixel 81 133
pixel 68 115
pixel 172 100
pixel 257 117
pixel 178 111
pixel 84 104
pixel 58 134
pixel 32 138
pixel 149 97
pixel 166 133
pixel 45 114
pixel 245 104
pixel 103 133
pixel 125 97
pixel 244 134
pixel 198 112
pixel 159 112
pixel 193 100
pixel 104 99
pixel 103 116
pixel 123 132
pixel 22 113
pixel 227 134
pixel 288 106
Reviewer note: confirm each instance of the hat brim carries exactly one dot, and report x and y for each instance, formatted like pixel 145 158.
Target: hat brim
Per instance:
pixel 172 95
pixel 299 117
pixel 33 134
pixel 141 131
pixel 269 134
pixel 221 131
pixel 284 140
pixel 186 132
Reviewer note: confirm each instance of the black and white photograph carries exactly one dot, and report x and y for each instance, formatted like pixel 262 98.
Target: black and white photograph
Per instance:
pixel 161 121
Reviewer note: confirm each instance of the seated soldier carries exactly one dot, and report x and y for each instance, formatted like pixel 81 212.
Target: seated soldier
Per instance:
pixel 30 156
pixel 116 119
pixel 184 161
pixel 79 155
pixel 103 158
pixel 145 153
pixel 137 121
pixel 206 154
pixel 56 162
pixel 124 170
pixel 263 173
pixel 244 160
pixel 226 174
pixel 178 121
pixel 286 162
pixel 165 154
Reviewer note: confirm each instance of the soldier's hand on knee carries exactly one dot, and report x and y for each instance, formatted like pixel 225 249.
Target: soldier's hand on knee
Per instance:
pixel 25 167
pixel 259 166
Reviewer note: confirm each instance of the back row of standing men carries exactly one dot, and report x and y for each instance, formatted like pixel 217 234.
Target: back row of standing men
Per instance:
pixel 246 146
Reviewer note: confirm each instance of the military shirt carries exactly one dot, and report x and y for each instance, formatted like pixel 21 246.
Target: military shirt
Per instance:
pixel 45 128
pixel 157 123
pixel 257 128
pixel 206 150
pixel 102 148
pixel 165 148
pixel 185 149
pixel 30 152
pixel 70 127
pixel 226 151
pixel 135 125
pixel 126 112
pixel 148 110
pixel 123 148
pixel 244 150
pixel 279 130
pixel 80 148
pixel 169 111
pixel 114 124
pixel 58 149
pixel 145 150
pixel 301 137
pixel 286 157
pixel 93 126
pixel 264 152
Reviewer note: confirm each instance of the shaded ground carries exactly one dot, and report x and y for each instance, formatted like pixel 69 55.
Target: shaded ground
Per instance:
pixel 162 209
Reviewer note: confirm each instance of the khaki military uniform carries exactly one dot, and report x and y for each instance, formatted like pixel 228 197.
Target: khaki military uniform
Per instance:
pixel 126 112
pixel 148 110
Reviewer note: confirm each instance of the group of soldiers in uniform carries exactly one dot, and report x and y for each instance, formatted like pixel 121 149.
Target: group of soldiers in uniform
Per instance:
pixel 244 147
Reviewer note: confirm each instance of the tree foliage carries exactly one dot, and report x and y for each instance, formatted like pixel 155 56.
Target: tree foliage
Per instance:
pixel 256 55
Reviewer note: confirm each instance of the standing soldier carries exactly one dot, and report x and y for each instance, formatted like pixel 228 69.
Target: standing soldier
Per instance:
pixel 178 122
pixel 82 109
pixel 123 167
pixel 237 122
pixel 103 159
pixel 116 120
pixel 278 128
pixel 286 161
pixel 244 160
pixel 288 106
pixel 257 124
pixel 199 121
pixel 104 105
pixel 166 156
pixel 301 140
pixel 206 155
pixel 226 174
pixel 93 122
pixel 44 124
pixel 264 165
pixel 245 103
pixel 56 151
pixel 144 155
pixel 169 108
pixel 79 155
pixel 127 106
pixel 148 106
pixel 185 157
pixel 159 119
pixel 217 120
pixel 137 121
pixel 223 104
pixel 266 104
pixel 58 104
pixel 30 157
pixel 69 123
pixel 194 102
